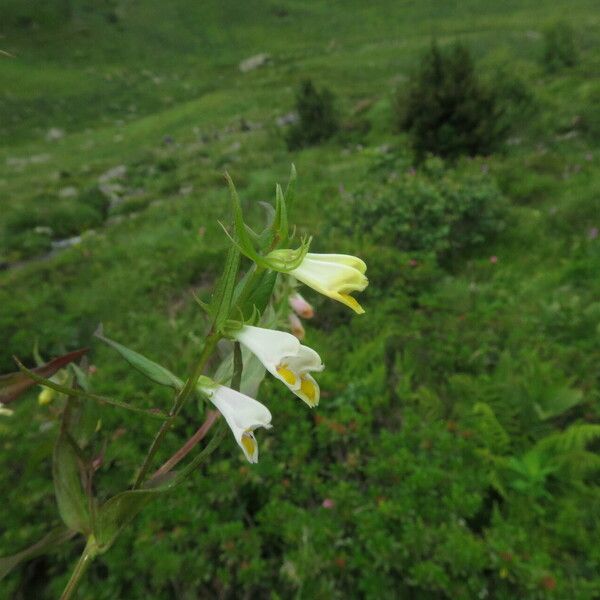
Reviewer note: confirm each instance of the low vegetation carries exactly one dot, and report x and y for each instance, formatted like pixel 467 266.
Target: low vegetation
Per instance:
pixel 454 453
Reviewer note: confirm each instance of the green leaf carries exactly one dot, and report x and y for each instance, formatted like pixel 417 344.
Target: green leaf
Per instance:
pixel 242 238
pixel 280 223
pixel 48 543
pixel 290 190
pixel 81 377
pixel 147 367
pixel 259 297
pixel 14 385
pixel 557 401
pixel 69 472
pixel 222 299
pixel 78 393
pixel 119 511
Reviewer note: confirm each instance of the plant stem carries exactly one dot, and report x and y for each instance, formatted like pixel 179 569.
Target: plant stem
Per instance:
pixel 212 416
pixel 85 560
pixel 182 396
pixel 238 366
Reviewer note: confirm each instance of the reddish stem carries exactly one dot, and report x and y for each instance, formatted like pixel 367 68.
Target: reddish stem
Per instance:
pixel 211 417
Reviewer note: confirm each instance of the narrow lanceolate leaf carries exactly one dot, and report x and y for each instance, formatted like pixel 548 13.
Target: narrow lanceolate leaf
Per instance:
pixel 290 190
pixel 14 385
pixel 47 544
pixel 279 234
pixel 222 299
pixel 78 393
pixel 242 238
pixel 147 367
pixel 69 473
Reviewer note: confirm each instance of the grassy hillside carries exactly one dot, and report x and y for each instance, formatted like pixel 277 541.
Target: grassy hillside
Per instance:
pixel 440 406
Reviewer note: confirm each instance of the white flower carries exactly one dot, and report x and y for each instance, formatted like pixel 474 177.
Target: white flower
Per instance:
pixel 243 415
pixel 285 358
pixel 335 276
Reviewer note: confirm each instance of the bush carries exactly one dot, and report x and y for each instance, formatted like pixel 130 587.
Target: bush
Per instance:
pixel 27 13
pixel 429 210
pixel 559 46
pixel 318 120
pixel 448 109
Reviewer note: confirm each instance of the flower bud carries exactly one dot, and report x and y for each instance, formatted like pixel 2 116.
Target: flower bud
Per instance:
pixel 301 307
pixel 296 326
pixel 46 396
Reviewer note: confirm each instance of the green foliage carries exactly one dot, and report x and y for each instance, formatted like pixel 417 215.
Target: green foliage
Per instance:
pixel 425 504
pixel 560 49
pixel 448 109
pixel 27 14
pixel 30 230
pixel 432 209
pixel 317 117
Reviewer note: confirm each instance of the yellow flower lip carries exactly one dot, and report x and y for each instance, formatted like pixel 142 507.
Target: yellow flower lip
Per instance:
pixel 308 388
pixel 287 374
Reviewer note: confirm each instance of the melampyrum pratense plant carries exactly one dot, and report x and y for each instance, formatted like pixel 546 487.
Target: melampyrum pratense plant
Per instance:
pixel 246 310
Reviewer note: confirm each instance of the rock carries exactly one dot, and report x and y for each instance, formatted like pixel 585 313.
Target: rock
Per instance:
pixel 54 134
pixel 112 191
pixel 255 62
pixel 287 119
pixel 68 192
pixel 66 243
pixel 235 147
pixel 43 230
pixel 117 172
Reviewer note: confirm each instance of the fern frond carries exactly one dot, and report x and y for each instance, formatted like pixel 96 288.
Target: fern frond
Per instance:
pixel 573 439
pixel 490 429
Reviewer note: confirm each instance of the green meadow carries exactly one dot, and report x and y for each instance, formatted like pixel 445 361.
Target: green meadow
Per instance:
pixel 454 453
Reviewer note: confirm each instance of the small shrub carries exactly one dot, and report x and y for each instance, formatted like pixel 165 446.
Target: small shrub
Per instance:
pixel 429 210
pixel 94 198
pixel 318 120
pixel 559 46
pixel 448 109
pixel 26 14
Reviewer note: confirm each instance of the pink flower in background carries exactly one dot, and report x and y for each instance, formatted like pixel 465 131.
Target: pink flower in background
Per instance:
pixel 296 326
pixel 493 259
pixel 593 233
pixel 301 307
pixel 328 503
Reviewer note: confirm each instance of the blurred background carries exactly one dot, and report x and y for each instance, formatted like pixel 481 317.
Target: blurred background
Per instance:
pixel 455 147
